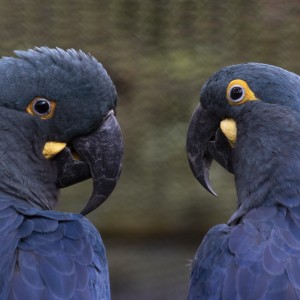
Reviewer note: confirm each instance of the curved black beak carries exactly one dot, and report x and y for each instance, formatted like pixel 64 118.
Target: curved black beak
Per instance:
pixel 205 142
pixel 101 154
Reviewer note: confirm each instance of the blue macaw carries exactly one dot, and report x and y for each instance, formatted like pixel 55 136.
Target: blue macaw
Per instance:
pixel 55 105
pixel 248 120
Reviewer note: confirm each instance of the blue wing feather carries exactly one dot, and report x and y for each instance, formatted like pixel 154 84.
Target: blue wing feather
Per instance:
pixel 259 258
pixel 50 255
pixel 98 273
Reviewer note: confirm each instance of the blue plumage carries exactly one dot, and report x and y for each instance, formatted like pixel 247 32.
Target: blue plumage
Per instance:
pixel 256 259
pixel 64 99
pixel 59 256
pixel 257 254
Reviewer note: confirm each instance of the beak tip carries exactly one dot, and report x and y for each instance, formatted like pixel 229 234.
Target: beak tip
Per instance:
pixel 202 175
pixel 102 150
pixel 201 129
pixel 210 189
pixel 92 204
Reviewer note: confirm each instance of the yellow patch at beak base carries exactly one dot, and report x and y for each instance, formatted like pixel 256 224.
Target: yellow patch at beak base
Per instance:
pixel 53 148
pixel 228 127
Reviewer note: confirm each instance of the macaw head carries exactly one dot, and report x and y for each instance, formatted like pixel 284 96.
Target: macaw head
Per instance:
pixel 60 109
pixel 228 88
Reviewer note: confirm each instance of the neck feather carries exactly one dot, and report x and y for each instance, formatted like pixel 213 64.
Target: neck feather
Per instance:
pixel 267 157
pixel 25 174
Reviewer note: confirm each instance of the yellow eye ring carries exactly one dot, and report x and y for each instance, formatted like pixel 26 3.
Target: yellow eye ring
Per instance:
pixel 239 92
pixel 41 107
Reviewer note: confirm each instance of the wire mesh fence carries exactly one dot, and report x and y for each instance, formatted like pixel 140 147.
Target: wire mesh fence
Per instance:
pixel 158 53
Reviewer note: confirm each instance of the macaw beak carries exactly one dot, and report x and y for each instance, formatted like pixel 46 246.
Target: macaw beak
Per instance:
pixel 101 154
pixel 205 142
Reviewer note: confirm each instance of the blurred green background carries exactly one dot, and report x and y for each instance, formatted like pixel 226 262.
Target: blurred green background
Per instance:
pixel 159 54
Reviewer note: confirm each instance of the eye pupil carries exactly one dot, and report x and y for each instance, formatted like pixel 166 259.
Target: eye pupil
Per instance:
pixel 236 93
pixel 42 106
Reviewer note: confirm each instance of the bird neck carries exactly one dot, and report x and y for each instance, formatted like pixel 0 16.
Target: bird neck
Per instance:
pixel 25 174
pixel 267 157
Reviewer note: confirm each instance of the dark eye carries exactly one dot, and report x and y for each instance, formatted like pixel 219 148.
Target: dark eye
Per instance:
pixel 236 93
pixel 41 106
